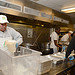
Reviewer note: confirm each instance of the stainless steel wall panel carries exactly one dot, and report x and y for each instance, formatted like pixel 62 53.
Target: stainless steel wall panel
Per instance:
pixel 40 34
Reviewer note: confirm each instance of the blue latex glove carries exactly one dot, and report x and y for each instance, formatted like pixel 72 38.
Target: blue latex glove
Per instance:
pixel 71 57
pixel 64 47
pixel 16 45
pixel 64 57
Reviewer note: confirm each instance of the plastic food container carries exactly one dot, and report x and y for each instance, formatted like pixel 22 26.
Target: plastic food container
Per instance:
pixel 25 63
pixel 45 65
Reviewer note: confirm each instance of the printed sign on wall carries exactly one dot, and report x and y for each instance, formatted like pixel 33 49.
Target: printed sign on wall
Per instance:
pixel 29 33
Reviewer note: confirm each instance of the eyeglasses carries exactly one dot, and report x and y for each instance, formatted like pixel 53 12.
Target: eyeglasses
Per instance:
pixel 3 24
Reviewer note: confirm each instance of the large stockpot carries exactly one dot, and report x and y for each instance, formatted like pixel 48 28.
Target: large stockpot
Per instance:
pixel 45 48
pixel 46 45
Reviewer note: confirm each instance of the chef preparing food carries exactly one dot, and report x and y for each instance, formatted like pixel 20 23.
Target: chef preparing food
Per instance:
pixel 8 33
pixel 64 41
pixel 66 37
pixel 54 37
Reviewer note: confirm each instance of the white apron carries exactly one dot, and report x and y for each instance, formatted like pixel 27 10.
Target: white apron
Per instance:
pixel 55 49
pixel 2 40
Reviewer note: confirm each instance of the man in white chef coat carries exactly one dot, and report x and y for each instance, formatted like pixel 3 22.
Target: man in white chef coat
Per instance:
pixel 64 41
pixel 8 33
pixel 54 37
pixel 66 37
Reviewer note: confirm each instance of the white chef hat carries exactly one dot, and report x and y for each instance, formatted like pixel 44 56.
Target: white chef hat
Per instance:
pixel 3 19
pixel 71 32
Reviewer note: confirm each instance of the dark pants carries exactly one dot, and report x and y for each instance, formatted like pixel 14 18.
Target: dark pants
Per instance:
pixel 72 71
pixel 60 49
pixel 51 51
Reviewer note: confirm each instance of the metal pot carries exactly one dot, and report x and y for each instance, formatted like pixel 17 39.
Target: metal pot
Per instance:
pixel 46 45
pixel 45 48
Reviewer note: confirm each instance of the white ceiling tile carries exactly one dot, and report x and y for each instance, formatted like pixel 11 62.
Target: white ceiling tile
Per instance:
pixel 57 4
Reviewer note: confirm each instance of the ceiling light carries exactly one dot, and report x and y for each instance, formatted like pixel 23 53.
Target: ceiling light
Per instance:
pixel 68 10
pixel 42 25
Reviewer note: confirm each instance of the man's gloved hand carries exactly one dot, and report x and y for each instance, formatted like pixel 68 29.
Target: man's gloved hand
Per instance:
pixel 16 45
pixel 71 57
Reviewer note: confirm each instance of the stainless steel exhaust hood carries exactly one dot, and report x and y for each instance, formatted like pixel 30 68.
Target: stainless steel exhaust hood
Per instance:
pixel 27 11
pixel 16 8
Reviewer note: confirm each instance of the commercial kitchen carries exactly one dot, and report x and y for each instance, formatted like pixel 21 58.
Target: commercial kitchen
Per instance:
pixel 35 20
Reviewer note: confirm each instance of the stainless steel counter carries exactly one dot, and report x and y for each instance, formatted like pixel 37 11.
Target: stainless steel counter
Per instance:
pixel 62 68
pixel 59 69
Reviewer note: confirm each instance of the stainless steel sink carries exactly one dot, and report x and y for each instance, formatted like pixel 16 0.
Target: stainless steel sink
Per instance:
pixel 22 51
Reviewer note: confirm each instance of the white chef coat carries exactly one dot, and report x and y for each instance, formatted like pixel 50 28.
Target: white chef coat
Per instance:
pixel 54 36
pixel 65 37
pixel 10 34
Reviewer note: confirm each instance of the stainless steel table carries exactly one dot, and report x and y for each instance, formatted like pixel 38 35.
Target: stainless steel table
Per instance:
pixel 59 69
pixel 62 68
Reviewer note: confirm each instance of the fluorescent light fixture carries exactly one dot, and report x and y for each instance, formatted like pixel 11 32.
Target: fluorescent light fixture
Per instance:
pixel 42 25
pixel 68 10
